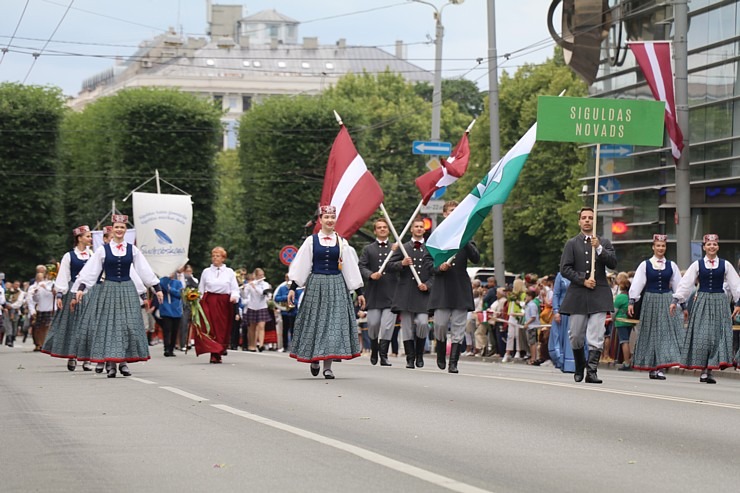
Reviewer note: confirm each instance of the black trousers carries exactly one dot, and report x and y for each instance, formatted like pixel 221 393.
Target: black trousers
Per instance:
pixel 170 327
pixel 288 323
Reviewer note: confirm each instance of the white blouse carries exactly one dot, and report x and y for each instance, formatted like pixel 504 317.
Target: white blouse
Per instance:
pixel 64 276
pixel 300 267
pixel 94 267
pixel 41 297
pixel 732 280
pixel 640 279
pixel 219 280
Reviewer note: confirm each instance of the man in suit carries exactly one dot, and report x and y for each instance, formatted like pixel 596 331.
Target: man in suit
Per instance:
pixel 452 297
pixel 411 299
pixel 379 290
pixel 588 298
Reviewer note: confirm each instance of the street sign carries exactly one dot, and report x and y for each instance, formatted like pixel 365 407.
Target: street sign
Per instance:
pixel 614 151
pixel 433 164
pixel 600 121
pixel 439 192
pixel 610 184
pixel 433 148
pixel 433 207
pixel 287 254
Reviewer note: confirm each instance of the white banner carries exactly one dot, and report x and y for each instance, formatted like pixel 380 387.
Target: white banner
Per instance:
pixel 163 225
pixel 130 237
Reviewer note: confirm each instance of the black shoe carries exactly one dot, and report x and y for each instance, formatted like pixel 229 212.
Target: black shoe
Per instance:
pixel 653 375
pixel 441 354
pixel 707 379
pixel 111 370
pixel 123 368
pixel 260 348
pixel 87 366
pixel 659 375
pixel 384 345
pixel 99 368
pixel 328 374
pixel 454 357
pixel 592 365
pixel 579 357
pixel 315 369
pixel 374 349
pixel 420 343
pixel 408 348
pixel 71 364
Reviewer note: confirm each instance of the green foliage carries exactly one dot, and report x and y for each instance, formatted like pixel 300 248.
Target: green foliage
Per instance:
pixel 29 133
pixel 229 222
pixel 117 143
pixel 464 92
pixel 540 213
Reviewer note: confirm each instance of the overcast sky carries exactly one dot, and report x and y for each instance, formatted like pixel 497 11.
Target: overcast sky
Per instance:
pixel 91 24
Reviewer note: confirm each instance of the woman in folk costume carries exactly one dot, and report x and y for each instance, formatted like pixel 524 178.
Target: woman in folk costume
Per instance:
pixel 325 328
pixel 115 313
pixel 708 342
pixel 661 334
pixel 219 291
pixel 257 312
pixel 62 340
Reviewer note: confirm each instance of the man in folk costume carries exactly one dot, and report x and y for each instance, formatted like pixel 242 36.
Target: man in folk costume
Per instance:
pixel 379 290
pixel 41 308
pixel 451 297
pixel 587 300
pixel 411 299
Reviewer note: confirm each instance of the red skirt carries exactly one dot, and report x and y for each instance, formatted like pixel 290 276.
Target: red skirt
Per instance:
pixel 219 312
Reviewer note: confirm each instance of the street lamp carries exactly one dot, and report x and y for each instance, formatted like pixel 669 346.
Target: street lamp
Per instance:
pixel 437 91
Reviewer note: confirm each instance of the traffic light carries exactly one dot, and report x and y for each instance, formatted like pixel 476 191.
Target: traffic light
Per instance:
pixel 427 224
pixel 619 228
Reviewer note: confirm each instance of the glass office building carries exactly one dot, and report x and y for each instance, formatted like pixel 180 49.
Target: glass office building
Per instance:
pixel 637 185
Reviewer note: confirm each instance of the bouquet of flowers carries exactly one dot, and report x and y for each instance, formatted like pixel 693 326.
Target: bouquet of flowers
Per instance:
pixel 51 271
pixel 199 328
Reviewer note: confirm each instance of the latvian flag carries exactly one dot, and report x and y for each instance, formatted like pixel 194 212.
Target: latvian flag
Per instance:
pixel 654 59
pixel 452 168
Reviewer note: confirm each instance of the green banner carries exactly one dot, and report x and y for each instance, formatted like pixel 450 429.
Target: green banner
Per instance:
pixel 600 121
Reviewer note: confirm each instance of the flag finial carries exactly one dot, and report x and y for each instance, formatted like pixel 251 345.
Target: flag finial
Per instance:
pixel 470 127
pixel 339 118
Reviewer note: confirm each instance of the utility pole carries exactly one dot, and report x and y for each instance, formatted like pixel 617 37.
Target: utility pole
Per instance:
pixel 683 176
pixel 495 136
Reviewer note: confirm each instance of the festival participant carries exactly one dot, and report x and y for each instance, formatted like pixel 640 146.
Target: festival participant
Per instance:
pixel 220 291
pixel 514 340
pixel 587 300
pixel 561 353
pixel 62 340
pixel 40 308
pixel 410 298
pixel 287 312
pixel 185 276
pixel 258 291
pixel 15 302
pixel 326 327
pixel 708 342
pixel 170 312
pixel 660 337
pixel 379 289
pixel 451 297
pixel 119 335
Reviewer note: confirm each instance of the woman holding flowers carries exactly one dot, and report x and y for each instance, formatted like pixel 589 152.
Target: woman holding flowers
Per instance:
pixel 325 328
pixel 220 291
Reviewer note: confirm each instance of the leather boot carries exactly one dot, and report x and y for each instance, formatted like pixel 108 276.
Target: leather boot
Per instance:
pixel 384 345
pixel 420 343
pixel 593 365
pixel 454 357
pixel 441 354
pixel 580 360
pixel 408 348
pixel 374 348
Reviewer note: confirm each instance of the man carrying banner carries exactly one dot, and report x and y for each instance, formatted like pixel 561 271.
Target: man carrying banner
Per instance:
pixel 589 297
pixel 379 290
pixel 451 297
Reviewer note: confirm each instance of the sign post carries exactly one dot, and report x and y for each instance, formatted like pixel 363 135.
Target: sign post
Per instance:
pixel 600 121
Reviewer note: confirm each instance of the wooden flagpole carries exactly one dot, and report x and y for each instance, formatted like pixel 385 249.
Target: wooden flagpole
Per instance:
pixel 403 233
pixel 400 243
pixel 596 205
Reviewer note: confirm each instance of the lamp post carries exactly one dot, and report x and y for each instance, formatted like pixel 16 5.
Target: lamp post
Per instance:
pixel 437 91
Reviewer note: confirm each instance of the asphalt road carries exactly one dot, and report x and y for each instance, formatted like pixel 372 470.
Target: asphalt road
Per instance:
pixel 261 422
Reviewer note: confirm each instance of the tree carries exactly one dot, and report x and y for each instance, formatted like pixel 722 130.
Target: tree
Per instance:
pixel 463 92
pixel 540 213
pixel 229 222
pixel 29 134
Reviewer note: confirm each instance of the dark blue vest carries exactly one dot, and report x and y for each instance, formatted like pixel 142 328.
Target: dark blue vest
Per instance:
pixel 711 280
pixel 118 269
pixel 658 281
pixel 325 258
pixel 75 266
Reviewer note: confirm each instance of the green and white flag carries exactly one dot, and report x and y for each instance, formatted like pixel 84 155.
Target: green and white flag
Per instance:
pixel 460 226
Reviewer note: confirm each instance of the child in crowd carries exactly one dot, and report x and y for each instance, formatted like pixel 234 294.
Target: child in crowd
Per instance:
pixel 531 324
pixel 624 329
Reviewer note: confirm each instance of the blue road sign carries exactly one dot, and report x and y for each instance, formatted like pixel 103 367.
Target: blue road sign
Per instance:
pixel 610 185
pixel 431 148
pixel 615 151
pixel 439 193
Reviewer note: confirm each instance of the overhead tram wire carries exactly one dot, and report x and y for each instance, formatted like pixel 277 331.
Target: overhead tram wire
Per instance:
pixel 18 24
pixel 36 56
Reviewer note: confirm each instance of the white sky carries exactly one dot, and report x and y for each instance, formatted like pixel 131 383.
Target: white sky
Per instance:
pixel 519 24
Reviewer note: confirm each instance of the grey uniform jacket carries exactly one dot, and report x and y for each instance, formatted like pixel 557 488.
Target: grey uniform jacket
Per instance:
pixel 407 297
pixel 575 265
pixel 452 289
pixel 378 294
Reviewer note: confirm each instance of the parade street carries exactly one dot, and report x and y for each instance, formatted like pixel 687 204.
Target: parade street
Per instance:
pixel 261 422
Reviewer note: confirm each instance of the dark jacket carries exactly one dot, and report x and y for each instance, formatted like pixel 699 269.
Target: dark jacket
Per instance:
pixel 407 297
pixel 575 265
pixel 378 294
pixel 452 289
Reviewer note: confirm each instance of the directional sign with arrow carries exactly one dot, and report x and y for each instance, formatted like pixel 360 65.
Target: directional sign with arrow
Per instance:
pixel 615 151
pixel 433 148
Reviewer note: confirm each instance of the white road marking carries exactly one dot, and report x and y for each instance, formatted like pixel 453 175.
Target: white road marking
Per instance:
pixel 402 467
pixel 185 394
pixel 136 379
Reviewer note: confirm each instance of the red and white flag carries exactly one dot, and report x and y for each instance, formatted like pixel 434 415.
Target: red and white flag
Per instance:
pixel 349 186
pixel 654 59
pixel 452 168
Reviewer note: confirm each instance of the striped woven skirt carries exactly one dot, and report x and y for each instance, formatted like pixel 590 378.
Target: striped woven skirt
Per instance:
pixel 112 328
pixel 708 342
pixel 61 342
pixel 660 336
pixel 326 327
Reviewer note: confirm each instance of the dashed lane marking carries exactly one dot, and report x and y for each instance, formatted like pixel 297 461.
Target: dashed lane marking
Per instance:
pixel 188 395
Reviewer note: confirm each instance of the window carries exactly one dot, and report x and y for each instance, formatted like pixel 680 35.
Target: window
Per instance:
pixel 246 63
pixel 246 103
pixel 305 65
pixel 329 66
pixel 257 64
pixel 282 64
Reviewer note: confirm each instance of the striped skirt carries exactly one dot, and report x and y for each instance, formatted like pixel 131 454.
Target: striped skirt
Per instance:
pixel 62 339
pixel 112 328
pixel 659 339
pixel 708 342
pixel 326 327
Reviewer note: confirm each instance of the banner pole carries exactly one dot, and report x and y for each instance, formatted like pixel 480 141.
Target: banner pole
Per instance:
pixel 156 177
pixel 596 205
pixel 400 244
pixel 403 233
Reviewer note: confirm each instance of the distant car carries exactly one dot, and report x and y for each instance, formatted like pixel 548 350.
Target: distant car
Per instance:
pixel 483 273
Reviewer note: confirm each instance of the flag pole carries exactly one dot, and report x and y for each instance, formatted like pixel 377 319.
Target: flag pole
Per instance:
pixel 400 244
pixel 339 118
pixel 403 233
pixel 596 204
